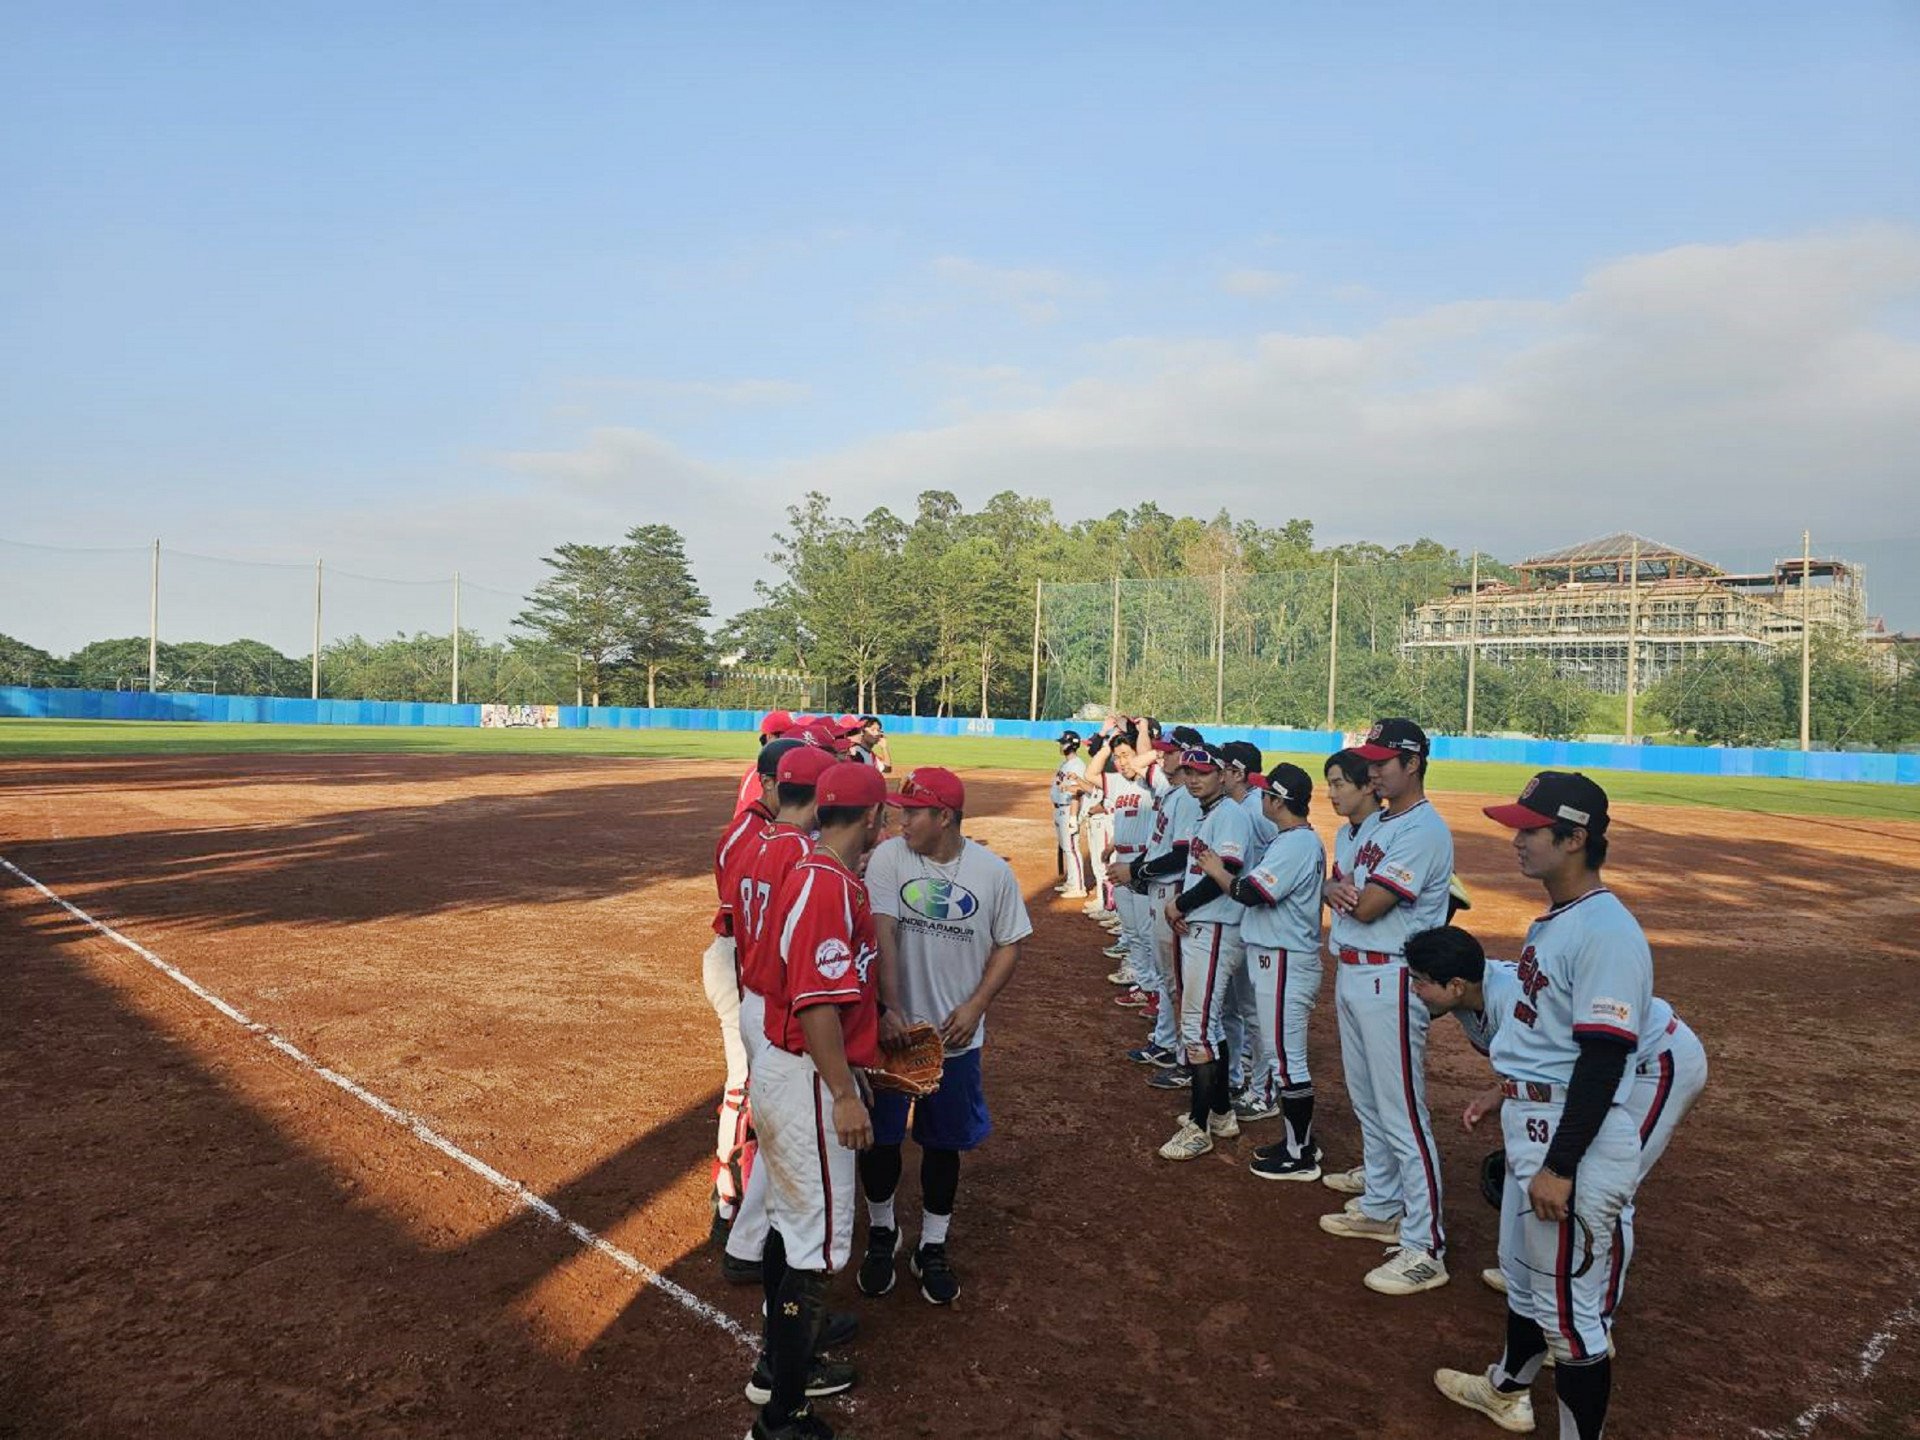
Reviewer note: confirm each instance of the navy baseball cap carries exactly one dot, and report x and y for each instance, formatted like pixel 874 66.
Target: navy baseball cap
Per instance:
pixel 1390 738
pixel 1289 782
pixel 1553 796
pixel 768 763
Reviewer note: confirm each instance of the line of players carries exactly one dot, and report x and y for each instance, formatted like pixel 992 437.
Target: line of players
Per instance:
pixel 1215 883
pixel 830 941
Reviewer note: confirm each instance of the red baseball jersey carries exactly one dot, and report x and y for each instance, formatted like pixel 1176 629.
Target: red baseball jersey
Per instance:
pixel 823 927
pixel 733 849
pixel 749 789
pixel 779 850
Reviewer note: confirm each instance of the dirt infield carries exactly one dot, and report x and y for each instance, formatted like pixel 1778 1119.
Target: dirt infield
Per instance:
pixel 203 1237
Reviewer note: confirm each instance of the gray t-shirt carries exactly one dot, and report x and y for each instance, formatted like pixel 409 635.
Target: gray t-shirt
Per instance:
pixel 948 919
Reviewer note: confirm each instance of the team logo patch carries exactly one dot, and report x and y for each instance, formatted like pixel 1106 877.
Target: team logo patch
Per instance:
pixel 939 899
pixel 1531 786
pixel 833 959
pixel 1612 1012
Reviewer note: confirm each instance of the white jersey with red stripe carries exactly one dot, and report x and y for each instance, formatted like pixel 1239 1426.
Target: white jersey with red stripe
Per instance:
pixel 1586 971
pixel 1131 803
pixel 1409 854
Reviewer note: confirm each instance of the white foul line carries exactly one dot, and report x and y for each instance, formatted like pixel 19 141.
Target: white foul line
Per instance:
pixel 1871 1354
pixel 512 1188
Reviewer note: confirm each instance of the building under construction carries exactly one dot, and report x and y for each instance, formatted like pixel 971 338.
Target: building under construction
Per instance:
pixel 1582 608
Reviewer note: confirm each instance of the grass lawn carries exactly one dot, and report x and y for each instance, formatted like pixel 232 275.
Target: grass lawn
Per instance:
pixel 40 739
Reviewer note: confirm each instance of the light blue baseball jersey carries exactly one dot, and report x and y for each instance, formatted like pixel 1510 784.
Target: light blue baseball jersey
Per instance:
pixel 1263 829
pixel 1586 971
pixel 1343 930
pixel 1225 832
pixel 1288 874
pixel 1411 855
pixel 1499 988
pixel 1178 818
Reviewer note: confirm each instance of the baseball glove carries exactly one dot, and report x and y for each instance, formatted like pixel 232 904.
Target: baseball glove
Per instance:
pixel 914 1068
pixel 1493 1177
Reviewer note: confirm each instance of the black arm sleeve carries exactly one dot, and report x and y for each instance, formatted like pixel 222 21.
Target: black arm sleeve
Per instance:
pixel 1248 893
pixel 1596 1075
pixel 1208 888
pixel 1167 866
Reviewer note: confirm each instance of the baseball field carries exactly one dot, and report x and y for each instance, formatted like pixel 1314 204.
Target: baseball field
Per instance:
pixel 361 1083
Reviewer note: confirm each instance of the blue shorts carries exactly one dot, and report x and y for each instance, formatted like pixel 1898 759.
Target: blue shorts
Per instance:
pixel 954 1117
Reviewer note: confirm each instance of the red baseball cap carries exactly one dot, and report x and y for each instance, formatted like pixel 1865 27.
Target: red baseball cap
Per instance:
pixel 804 765
pixel 849 724
pixel 930 788
pixel 1256 780
pixel 776 723
pixel 847 782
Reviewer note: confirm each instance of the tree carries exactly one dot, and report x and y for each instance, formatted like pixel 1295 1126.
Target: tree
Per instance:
pixel 24 664
pixel 661 606
pixel 579 607
pixel 1732 697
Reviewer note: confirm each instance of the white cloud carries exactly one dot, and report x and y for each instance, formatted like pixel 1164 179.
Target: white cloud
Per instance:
pixel 1257 282
pixel 1035 294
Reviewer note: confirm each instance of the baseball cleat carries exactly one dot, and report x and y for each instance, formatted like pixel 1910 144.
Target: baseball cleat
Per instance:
pixel 1347 1182
pixel 1407 1271
pixel 1177 1078
pixel 1512 1412
pixel 876 1267
pixel 828 1377
pixel 1352 1226
pixel 938 1283
pixel 1117 951
pixel 1494 1280
pixel 1151 1054
pixel 1122 976
pixel 804 1425
pixel 1250 1109
pixel 1133 999
pixel 1189 1142
pixel 1284 1166
pixel 739 1272
pixel 1221 1127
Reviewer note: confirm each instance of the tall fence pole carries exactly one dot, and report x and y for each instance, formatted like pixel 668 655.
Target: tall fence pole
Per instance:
pixel 1806 639
pixel 152 626
pixel 1333 642
pixel 456 637
pixel 1473 639
pixel 1633 636
pixel 1220 654
pixel 1113 654
pixel 1033 689
pixel 318 579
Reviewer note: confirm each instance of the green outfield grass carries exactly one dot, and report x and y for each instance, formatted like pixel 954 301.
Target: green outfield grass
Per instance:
pixel 42 739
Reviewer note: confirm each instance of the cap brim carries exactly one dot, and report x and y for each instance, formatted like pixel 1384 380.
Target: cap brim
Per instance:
pixel 1378 752
pixel 913 802
pixel 1517 817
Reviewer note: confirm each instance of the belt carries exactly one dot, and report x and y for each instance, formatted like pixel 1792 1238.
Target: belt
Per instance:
pixel 1533 1090
pixel 1367 957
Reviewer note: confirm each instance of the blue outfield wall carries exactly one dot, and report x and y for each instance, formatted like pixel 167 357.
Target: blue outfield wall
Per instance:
pixel 1882 769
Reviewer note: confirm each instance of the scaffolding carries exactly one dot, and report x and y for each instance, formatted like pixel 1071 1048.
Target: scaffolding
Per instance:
pixel 1624 607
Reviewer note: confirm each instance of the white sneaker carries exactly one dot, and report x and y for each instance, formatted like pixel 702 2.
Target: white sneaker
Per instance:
pixel 1510 1412
pixel 1347 1182
pixel 1117 952
pixel 1226 1126
pixel 1495 1282
pixel 1356 1226
pixel 1189 1142
pixel 1121 977
pixel 1407 1271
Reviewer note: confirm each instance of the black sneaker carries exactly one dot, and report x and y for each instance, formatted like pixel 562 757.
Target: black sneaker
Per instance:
pixel 839 1328
pixel 828 1377
pixel 804 1425
pixel 937 1280
pixel 739 1272
pixel 876 1270
pixel 1178 1078
pixel 1284 1166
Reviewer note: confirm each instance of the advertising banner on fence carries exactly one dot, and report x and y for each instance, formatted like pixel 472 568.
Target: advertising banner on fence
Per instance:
pixel 519 717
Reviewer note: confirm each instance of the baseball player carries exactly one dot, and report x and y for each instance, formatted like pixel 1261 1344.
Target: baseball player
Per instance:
pixel 1280 891
pixel 1065 795
pixel 1096 831
pixel 1207 923
pixel 949 919
pixel 1350 793
pixel 809 1104
pixel 1564 1048
pixel 720 975
pixel 1241 1017
pixel 1453 976
pixel 1394 881
pixel 1160 875
pixel 1132 802
pixel 774 725
pixel 870 744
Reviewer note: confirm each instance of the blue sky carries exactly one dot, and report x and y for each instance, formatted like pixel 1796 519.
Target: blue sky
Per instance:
pixel 433 286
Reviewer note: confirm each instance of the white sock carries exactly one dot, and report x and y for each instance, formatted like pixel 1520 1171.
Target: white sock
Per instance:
pixel 933 1228
pixel 880 1213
